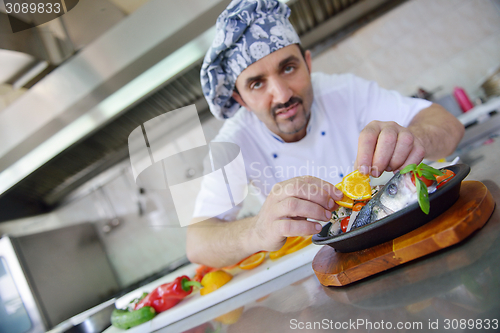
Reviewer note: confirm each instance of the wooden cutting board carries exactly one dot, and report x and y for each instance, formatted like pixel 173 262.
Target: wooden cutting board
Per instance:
pixel 471 211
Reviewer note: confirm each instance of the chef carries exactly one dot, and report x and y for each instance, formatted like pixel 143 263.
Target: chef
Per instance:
pixel 299 132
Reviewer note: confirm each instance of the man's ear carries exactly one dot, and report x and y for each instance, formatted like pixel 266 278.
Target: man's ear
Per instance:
pixel 238 99
pixel 307 57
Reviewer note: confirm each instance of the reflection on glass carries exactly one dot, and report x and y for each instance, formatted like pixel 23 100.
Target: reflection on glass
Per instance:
pixel 13 315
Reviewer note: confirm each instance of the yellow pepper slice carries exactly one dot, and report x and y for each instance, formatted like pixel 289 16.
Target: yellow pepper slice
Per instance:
pixel 214 280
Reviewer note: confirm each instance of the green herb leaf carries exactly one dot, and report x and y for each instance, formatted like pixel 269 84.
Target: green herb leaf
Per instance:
pixel 427 174
pixel 423 196
pixel 430 169
pixel 408 168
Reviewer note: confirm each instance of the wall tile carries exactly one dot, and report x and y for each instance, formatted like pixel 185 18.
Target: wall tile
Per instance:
pixel 341 58
pixel 427 43
pixel 373 37
pixel 399 61
pixel 482 17
pixel 433 10
pixel 367 71
pixel 491 47
pixel 406 18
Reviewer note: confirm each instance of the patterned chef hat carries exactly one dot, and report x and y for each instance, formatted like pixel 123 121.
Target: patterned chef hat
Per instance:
pixel 246 31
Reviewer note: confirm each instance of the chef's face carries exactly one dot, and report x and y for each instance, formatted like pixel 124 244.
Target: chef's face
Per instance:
pixel 278 89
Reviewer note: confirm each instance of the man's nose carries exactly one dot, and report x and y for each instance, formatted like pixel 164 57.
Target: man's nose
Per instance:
pixel 281 91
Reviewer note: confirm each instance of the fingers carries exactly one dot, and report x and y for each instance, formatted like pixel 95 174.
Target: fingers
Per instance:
pixel 294 207
pixel 307 188
pixel 416 155
pixel 288 205
pixel 366 147
pixel 386 146
pixel 290 228
pixel 338 195
pixel 384 150
pixel 402 151
pixel 393 149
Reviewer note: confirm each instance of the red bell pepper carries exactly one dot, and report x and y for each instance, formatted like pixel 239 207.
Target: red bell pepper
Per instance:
pixel 169 294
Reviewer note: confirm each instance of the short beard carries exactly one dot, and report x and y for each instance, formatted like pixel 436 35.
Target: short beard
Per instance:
pixel 290 102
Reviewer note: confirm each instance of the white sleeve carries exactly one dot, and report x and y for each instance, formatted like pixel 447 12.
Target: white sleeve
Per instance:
pixel 374 103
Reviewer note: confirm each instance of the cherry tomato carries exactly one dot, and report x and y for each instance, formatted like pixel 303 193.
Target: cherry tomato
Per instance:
pixel 426 181
pixel 448 174
pixel 344 223
pixel 358 205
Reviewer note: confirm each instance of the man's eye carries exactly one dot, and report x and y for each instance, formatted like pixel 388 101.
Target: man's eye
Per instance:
pixel 288 69
pixel 256 85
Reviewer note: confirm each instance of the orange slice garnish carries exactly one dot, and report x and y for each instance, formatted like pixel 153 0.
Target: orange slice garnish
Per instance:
pixel 357 186
pixel 303 243
pixel 253 261
pixel 290 242
pixel 346 201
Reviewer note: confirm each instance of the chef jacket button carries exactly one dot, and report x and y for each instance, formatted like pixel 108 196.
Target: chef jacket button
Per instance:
pixel 275 155
pixel 341 175
pixel 323 133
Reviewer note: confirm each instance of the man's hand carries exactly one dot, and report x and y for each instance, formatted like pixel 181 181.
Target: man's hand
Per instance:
pixel 387 146
pixel 221 243
pixel 287 207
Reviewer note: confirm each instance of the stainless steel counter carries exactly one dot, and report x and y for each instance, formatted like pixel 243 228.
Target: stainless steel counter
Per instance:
pixel 454 290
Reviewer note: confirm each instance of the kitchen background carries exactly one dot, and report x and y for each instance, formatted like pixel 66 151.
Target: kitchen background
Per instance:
pixel 427 44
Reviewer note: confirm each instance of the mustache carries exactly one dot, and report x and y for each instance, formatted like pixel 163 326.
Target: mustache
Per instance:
pixel 290 102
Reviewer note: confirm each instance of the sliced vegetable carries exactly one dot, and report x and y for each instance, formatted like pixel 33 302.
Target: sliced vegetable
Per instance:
pixel 169 294
pixel 214 280
pixel 126 319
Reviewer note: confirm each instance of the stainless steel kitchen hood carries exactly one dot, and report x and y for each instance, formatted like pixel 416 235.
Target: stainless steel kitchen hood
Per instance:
pixel 75 122
pixel 118 57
